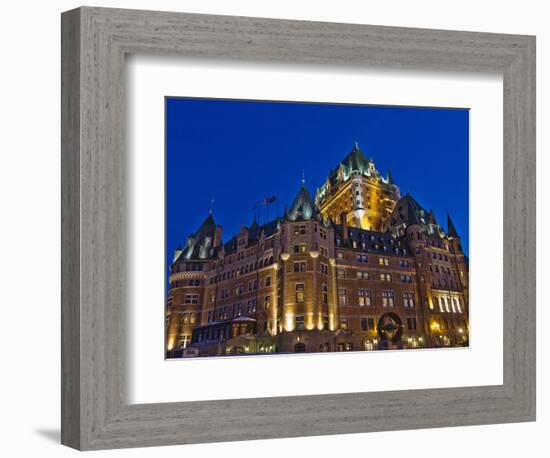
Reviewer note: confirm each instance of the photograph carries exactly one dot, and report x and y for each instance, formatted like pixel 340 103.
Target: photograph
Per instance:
pixel 301 227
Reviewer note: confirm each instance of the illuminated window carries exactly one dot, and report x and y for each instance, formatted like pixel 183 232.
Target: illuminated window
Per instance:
pixel 267 302
pixel 365 297
pixel 342 296
pixel 408 299
pixel 459 309
pixel 300 289
pixel 385 277
pixel 324 293
pixel 251 306
pixel 362 275
pixel 300 323
pixel 191 299
pixel 384 261
pixel 411 324
pixel 184 341
pixel 387 299
pixel 344 323
pixel 341 273
pixel 299 230
pixel 302 248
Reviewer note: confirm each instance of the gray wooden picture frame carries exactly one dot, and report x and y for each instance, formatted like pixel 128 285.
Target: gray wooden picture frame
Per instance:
pixel 95 411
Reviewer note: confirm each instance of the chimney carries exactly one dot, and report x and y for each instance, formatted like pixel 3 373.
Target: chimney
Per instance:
pixel 344 224
pixel 218 236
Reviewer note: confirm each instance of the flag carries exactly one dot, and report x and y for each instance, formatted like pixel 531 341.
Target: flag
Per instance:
pixel 269 200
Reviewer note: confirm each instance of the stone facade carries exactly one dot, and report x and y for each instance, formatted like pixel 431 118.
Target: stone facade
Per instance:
pixel 357 268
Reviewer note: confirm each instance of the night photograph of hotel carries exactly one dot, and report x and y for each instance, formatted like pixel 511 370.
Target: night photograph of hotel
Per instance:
pixel 309 227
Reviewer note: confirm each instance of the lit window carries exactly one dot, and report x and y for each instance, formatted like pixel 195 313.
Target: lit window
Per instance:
pixel 302 248
pixel 300 288
pixel 184 341
pixel 191 299
pixel 459 309
pixel 408 299
pixel 342 296
pixel 365 297
pixel 387 299
pixel 300 323
pixel 411 324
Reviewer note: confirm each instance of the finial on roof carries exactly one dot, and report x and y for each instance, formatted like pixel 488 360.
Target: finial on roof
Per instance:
pixel 389 178
pixel 211 209
pixel 356 146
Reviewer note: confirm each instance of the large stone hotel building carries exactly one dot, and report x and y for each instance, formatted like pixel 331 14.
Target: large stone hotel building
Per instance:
pixel 359 267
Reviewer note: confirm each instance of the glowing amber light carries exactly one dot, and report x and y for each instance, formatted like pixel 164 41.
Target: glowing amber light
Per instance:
pixel 434 326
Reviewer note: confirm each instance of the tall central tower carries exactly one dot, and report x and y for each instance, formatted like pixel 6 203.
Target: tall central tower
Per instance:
pixel 356 190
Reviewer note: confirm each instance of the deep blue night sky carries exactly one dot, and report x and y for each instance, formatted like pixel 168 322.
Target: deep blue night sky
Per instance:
pixel 238 152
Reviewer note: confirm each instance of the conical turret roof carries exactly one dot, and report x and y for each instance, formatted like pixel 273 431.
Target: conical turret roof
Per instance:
pixel 303 207
pixel 200 244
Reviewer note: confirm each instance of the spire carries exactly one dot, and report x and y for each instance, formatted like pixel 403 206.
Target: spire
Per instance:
pixel 389 178
pixel 211 210
pixel 431 217
pixel 254 224
pixel 451 230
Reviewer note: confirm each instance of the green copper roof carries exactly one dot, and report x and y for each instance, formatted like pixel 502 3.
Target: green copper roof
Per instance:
pixel 303 207
pixel 200 244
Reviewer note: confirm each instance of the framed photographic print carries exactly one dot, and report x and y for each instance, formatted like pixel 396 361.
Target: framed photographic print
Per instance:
pixel 318 228
pixel 354 265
